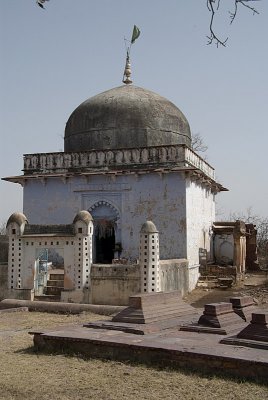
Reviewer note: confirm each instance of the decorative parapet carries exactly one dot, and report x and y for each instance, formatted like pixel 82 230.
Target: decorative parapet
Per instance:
pixel 193 159
pixel 171 156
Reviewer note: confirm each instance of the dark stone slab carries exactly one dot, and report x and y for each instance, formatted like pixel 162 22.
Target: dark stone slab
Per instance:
pixel 235 341
pixel 141 329
pixel 59 230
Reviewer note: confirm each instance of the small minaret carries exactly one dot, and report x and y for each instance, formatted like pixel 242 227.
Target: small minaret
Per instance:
pixel 16 271
pixel 83 226
pixel 149 258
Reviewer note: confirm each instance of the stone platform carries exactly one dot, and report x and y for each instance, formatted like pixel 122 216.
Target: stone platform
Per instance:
pixel 160 341
pixel 169 348
pixel 150 312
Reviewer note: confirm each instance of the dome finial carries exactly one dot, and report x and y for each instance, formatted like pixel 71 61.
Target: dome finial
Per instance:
pixel 127 72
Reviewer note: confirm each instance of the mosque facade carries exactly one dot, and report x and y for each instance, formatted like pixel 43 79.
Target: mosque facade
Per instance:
pixel 127 159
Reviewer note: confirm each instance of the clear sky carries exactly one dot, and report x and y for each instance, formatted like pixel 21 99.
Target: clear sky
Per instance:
pixel 53 60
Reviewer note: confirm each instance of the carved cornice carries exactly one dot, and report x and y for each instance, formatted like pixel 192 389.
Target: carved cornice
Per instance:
pixel 135 161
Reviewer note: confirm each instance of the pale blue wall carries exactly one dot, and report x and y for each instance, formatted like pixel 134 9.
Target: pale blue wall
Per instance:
pixel 136 198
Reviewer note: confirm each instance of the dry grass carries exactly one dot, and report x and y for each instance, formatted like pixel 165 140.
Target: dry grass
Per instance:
pixel 27 375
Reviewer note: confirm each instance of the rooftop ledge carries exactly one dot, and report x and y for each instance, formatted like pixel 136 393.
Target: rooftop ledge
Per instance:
pixel 130 160
pixel 138 158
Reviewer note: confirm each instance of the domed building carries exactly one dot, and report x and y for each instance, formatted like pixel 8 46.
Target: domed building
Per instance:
pixel 125 117
pixel 127 159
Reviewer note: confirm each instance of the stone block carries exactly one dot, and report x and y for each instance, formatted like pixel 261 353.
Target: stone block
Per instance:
pixel 243 306
pixel 155 307
pixel 219 315
pixel 217 309
pixel 257 330
pixel 241 301
pixel 260 318
pixel 218 318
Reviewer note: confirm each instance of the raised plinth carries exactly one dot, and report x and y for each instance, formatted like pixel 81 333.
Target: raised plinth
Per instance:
pixel 218 318
pixel 254 335
pixel 154 307
pixel 257 329
pixel 150 312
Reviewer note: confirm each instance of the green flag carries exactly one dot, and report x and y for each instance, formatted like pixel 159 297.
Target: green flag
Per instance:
pixel 135 34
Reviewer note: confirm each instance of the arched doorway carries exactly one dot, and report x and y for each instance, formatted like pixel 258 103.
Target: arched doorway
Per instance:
pixel 106 231
pixel 104 234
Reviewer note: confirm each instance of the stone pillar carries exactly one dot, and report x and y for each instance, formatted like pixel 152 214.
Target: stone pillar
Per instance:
pixel 15 229
pixel 252 263
pixel 240 248
pixel 83 226
pixel 149 258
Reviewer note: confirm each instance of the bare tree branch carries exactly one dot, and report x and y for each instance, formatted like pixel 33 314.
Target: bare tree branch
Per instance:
pixel 2 228
pixel 213 7
pixel 198 143
pixel 213 37
pixel 243 2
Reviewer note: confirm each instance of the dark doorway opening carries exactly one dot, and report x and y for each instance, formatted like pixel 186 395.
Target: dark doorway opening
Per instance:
pixel 104 243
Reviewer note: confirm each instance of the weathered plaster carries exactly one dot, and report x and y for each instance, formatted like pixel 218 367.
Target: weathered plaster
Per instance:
pixel 150 197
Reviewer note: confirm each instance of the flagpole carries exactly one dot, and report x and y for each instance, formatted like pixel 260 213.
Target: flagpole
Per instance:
pixel 127 72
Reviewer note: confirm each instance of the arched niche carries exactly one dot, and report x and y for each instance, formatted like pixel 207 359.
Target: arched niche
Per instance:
pixel 107 231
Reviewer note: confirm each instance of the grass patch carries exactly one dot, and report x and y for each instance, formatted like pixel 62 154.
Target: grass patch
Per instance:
pixel 25 374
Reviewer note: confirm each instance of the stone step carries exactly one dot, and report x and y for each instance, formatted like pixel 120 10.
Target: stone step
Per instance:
pixel 55 277
pixel 225 282
pixel 54 282
pixel 53 290
pixel 49 298
pixel 208 277
pixel 208 284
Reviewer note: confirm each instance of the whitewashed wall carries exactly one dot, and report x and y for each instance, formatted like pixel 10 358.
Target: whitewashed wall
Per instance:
pixel 200 209
pixel 156 197
pixel 75 250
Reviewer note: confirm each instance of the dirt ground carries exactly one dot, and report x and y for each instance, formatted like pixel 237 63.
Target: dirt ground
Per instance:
pixel 25 374
pixel 254 285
